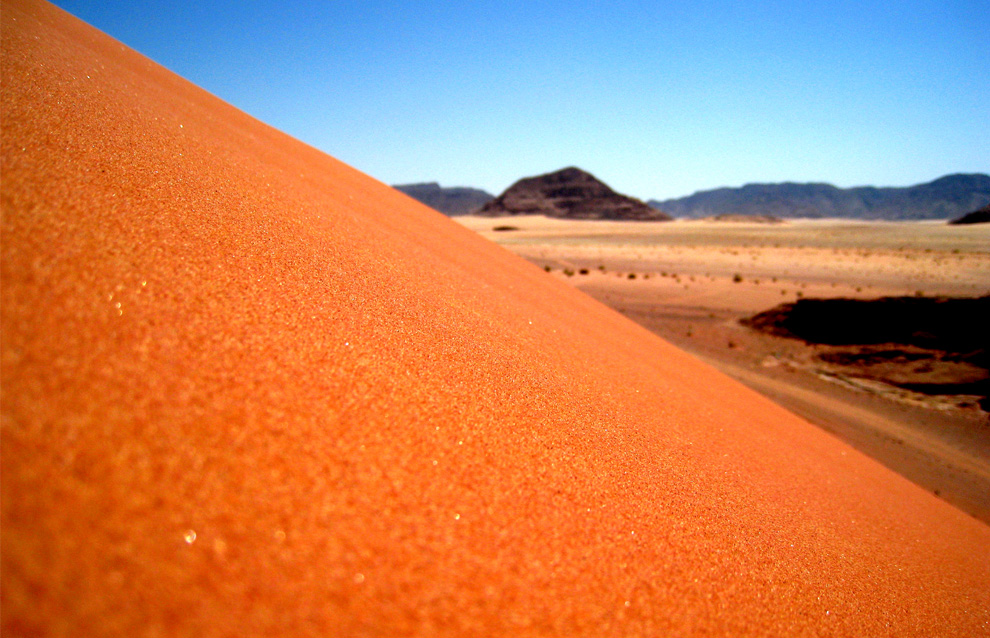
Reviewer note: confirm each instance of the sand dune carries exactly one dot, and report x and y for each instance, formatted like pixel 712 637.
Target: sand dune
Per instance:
pixel 249 390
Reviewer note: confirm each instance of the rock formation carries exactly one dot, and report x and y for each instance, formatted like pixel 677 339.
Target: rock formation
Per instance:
pixel 944 198
pixel 569 193
pixel 981 216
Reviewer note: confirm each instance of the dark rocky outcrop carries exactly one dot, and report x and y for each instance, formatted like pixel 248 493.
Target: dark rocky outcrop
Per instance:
pixel 981 216
pixel 569 193
pixel 934 345
pixel 944 323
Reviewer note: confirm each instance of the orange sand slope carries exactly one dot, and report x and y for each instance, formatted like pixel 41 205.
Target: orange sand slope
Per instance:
pixel 248 390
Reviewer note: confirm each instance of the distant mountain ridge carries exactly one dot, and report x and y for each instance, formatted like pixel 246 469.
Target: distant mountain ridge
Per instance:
pixel 946 197
pixel 569 193
pixel 457 200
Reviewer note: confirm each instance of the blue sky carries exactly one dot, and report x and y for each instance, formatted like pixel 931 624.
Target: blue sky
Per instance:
pixel 658 99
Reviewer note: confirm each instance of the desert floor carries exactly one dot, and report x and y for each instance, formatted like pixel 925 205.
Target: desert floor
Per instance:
pixel 692 281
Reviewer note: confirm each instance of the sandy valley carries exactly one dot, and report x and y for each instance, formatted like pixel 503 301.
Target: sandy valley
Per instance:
pixel 691 282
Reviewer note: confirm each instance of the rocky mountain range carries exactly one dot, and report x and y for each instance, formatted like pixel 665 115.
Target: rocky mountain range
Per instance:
pixel 456 200
pixel 947 197
pixel 569 193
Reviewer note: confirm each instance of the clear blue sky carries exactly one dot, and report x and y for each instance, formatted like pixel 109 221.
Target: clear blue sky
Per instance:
pixel 658 99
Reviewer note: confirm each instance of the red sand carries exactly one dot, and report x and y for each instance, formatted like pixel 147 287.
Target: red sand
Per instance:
pixel 249 390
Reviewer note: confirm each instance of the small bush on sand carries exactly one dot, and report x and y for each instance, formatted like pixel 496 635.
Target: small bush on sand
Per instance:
pixel 736 278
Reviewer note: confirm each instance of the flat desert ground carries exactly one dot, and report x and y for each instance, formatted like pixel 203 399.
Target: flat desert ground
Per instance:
pixel 691 281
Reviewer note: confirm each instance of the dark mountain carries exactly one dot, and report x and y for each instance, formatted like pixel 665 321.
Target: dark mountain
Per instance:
pixel 449 201
pixel 981 216
pixel 944 198
pixel 572 194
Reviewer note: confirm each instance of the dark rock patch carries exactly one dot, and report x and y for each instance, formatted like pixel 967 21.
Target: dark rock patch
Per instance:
pixel 981 216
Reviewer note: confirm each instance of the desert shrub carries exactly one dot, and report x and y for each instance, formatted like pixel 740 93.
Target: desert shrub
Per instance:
pixel 583 271
pixel 548 268
pixel 632 275
pixel 736 278
pixel 568 272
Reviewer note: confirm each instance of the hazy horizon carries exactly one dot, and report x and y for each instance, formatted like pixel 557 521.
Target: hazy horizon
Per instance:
pixel 658 101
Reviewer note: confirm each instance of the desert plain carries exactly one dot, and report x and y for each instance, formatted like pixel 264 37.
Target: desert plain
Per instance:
pixel 693 281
